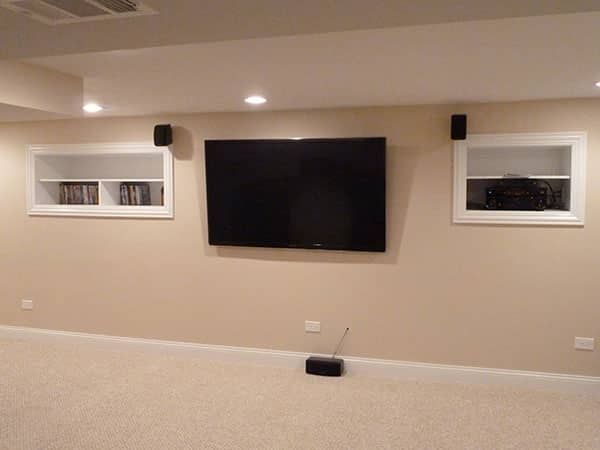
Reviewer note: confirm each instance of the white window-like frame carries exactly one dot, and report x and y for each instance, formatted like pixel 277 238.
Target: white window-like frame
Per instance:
pixel 573 142
pixel 120 156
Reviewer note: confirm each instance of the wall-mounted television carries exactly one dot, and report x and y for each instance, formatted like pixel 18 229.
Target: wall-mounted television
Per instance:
pixel 297 193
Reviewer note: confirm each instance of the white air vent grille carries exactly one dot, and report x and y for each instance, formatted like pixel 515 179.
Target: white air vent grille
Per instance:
pixel 76 7
pixel 119 6
pixel 55 12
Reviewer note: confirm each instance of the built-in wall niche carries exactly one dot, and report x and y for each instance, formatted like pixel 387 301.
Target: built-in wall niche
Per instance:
pixel 111 179
pixel 533 178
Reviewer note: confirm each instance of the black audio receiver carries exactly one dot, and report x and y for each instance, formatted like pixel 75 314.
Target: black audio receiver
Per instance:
pixel 522 194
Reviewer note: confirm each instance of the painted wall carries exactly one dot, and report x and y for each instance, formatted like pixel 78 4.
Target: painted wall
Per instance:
pixel 41 89
pixel 493 296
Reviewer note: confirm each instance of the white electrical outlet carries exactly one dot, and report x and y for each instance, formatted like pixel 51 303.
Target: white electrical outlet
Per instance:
pixel 27 304
pixel 312 327
pixel 584 343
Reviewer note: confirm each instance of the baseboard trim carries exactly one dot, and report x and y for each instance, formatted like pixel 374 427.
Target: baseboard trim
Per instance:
pixel 555 382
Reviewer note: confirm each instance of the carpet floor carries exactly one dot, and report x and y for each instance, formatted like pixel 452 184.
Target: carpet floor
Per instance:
pixel 55 395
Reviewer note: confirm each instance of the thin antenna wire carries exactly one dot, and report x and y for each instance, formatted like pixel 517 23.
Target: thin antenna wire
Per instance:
pixel 340 343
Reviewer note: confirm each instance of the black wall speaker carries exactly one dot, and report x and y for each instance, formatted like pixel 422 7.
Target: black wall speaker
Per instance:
pixel 163 135
pixel 458 128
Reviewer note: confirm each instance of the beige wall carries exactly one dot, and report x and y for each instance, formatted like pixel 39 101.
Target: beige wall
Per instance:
pixel 41 89
pixel 494 296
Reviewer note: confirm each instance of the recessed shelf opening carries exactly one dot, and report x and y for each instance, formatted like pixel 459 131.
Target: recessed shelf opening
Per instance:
pixel 120 179
pixel 530 178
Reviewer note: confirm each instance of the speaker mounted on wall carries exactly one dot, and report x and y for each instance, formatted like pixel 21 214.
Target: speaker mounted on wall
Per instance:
pixel 458 127
pixel 163 135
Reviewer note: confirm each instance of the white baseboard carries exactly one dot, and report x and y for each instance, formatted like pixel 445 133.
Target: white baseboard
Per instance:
pixel 563 383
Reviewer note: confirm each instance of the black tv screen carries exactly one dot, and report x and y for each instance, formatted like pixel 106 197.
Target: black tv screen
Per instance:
pixel 306 193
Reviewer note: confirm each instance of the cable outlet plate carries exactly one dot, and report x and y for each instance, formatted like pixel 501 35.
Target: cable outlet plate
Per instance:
pixel 312 327
pixel 584 343
pixel 27 305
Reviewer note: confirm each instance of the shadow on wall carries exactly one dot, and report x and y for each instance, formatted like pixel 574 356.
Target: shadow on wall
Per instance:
pixel 400 169
pixel 183 144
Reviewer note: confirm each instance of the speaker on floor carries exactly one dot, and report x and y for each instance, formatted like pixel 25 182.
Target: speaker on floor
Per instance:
pixel 458 127
pixel 163 135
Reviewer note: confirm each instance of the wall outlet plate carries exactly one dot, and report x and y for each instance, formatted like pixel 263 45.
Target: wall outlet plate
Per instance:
pixel 27 305
pixel 584 343
pixel 312 327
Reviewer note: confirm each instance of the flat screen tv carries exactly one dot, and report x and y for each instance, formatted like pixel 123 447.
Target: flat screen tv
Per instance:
pixel 305 193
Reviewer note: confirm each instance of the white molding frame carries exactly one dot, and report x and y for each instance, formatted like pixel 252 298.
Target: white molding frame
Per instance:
pixel 355 366
pixel 574 217
pixel 164 211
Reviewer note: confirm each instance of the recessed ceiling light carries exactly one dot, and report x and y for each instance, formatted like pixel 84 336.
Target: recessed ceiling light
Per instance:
pixel 255 100
pixel 92 107
pixel 598 84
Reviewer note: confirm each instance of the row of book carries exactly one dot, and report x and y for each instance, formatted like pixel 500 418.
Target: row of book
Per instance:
pixel 78 193
pixel 133 193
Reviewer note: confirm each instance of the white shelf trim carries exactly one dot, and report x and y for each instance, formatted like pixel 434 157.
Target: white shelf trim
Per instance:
pixel 532 177
pixel 101 180
pixel 111 148
pixel 575 142
pixel 132 180
pixel 106 206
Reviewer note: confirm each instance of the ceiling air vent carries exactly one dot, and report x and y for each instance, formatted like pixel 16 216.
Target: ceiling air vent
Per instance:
pixel 56 12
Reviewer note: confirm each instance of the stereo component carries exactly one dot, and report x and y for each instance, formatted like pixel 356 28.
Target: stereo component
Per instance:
pixel 520 194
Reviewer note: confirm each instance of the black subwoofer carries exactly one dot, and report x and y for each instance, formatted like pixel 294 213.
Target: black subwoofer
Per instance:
pixel 329 367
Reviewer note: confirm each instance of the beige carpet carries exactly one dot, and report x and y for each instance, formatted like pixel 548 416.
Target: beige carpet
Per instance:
pixel 62 396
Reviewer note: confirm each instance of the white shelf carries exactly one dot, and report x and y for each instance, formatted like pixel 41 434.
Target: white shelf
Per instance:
pixel 533 177
pixel 107 166
pixel 100 180
pixel 482 161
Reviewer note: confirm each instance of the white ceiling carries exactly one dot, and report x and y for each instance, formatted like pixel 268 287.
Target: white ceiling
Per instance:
pixel 419 54
pixel 192 21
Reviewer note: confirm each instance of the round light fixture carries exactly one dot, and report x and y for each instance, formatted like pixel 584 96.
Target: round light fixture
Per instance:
pixel 255 100
pixel 598 84
pixel 92 107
